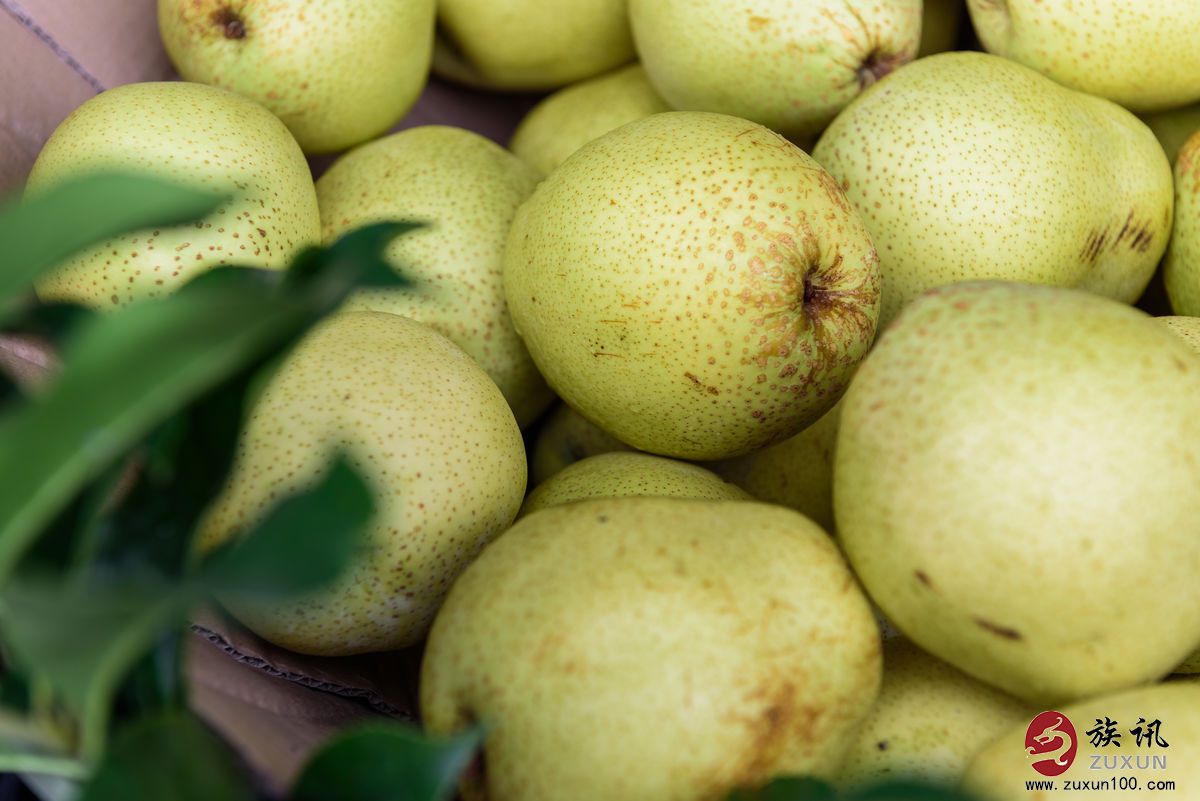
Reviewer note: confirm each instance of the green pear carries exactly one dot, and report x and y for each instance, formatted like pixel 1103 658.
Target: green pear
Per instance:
pixel 195 135
pixel 563 438
pixel 530 44
pixel 1181 269
pixel 1174 127
pixel 623 475
pixel 1099 771
pixel 694 284
pixel 337 73
pixel 1143 56
pixel 929 722
pixel 1015 485
pixel 791 65
pixel 797 473
pixel 940 24
pixel 468 188
pixel 938 161
pixel 652 649
pixel 437 444
pixel 571 117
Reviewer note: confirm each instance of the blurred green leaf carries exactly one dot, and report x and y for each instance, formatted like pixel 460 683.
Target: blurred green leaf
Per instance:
pixel 155 684
pixel 170 757
pixel 303 543
pixel 362 251
pixel 386 762
pixel 787 788
pixel 39 232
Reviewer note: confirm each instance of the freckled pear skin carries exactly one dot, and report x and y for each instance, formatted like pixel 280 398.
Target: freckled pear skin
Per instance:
pixel 467 188
pixel 197 135
pixel 791 65
pixel 1181 270
pixel 1015 485
pixel 1141 55
pixel 693 284
pixel 937 160
pixel 437 444
pixel 571 117
pixel 337 72
pixel 652 649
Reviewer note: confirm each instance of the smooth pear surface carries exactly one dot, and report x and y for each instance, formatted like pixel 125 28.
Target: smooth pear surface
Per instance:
pixel 929 722
pixel 652 649
pixel 1181 269
pixel 571 117
pixel 624 475
pixel 564 436
pixel 1141 55
pixel 337 72
pixel 199 136
pixel 1059 431
pixel 468 189
pixel 791 65
pixel 530 44
pixel 937 160
pixel 436 442
pixel 694 284
pixel 1000 771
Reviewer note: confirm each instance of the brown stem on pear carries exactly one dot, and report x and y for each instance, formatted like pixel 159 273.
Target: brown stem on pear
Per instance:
pixel 230 23
pixel 877 65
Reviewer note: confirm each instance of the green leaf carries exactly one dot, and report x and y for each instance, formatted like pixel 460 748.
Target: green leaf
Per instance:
pixel 386 762
pixel 303 544
pixel 41 231
pixel 787 788
pixel 362 251
pixel 171 757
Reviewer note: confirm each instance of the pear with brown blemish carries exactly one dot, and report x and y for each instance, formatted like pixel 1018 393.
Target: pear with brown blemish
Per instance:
pixel 694 284
pixel 1181 270
pixel 337 72
pixel 438 446
pixel 199 136
pixel 1141 55
pixel 791 65
pixel 1035 492
pixel 652 649
pixel 937 159
pixel 468 188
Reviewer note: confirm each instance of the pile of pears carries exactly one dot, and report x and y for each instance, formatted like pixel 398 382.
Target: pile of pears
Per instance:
pixel 848 450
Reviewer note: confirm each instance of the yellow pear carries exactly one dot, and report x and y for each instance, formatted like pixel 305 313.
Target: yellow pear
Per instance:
pixel 1015 484
pixel 468 188
pixel 622 475
pixel 564 437
pixel 694 284
pixel 193 134
pixel 652 649
pixel 929 722
pixel 937 159
pixel 1181 269
pixel 436 442
pixel 571 117
pixel 337 72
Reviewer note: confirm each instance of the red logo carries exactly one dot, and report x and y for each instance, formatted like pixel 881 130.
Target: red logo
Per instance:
pixel 1050 743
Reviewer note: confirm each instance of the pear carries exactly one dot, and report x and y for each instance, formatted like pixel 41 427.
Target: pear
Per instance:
pixel 937 160
pixel 571 117
pixel 1181 269
pixel 694 284
pixel 337 73
pixel 468 188
pixel 1174 127
pixel 940 24
pixel 565 437
pixel 1001 770
pixel 622 475
pixel 192 134
pixel 1015 486
pixel 652 649
pixel 797 473
pixel 1144 58
pixel 530 44
pixel 929 722
pixel 436 442
pixel 791 65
